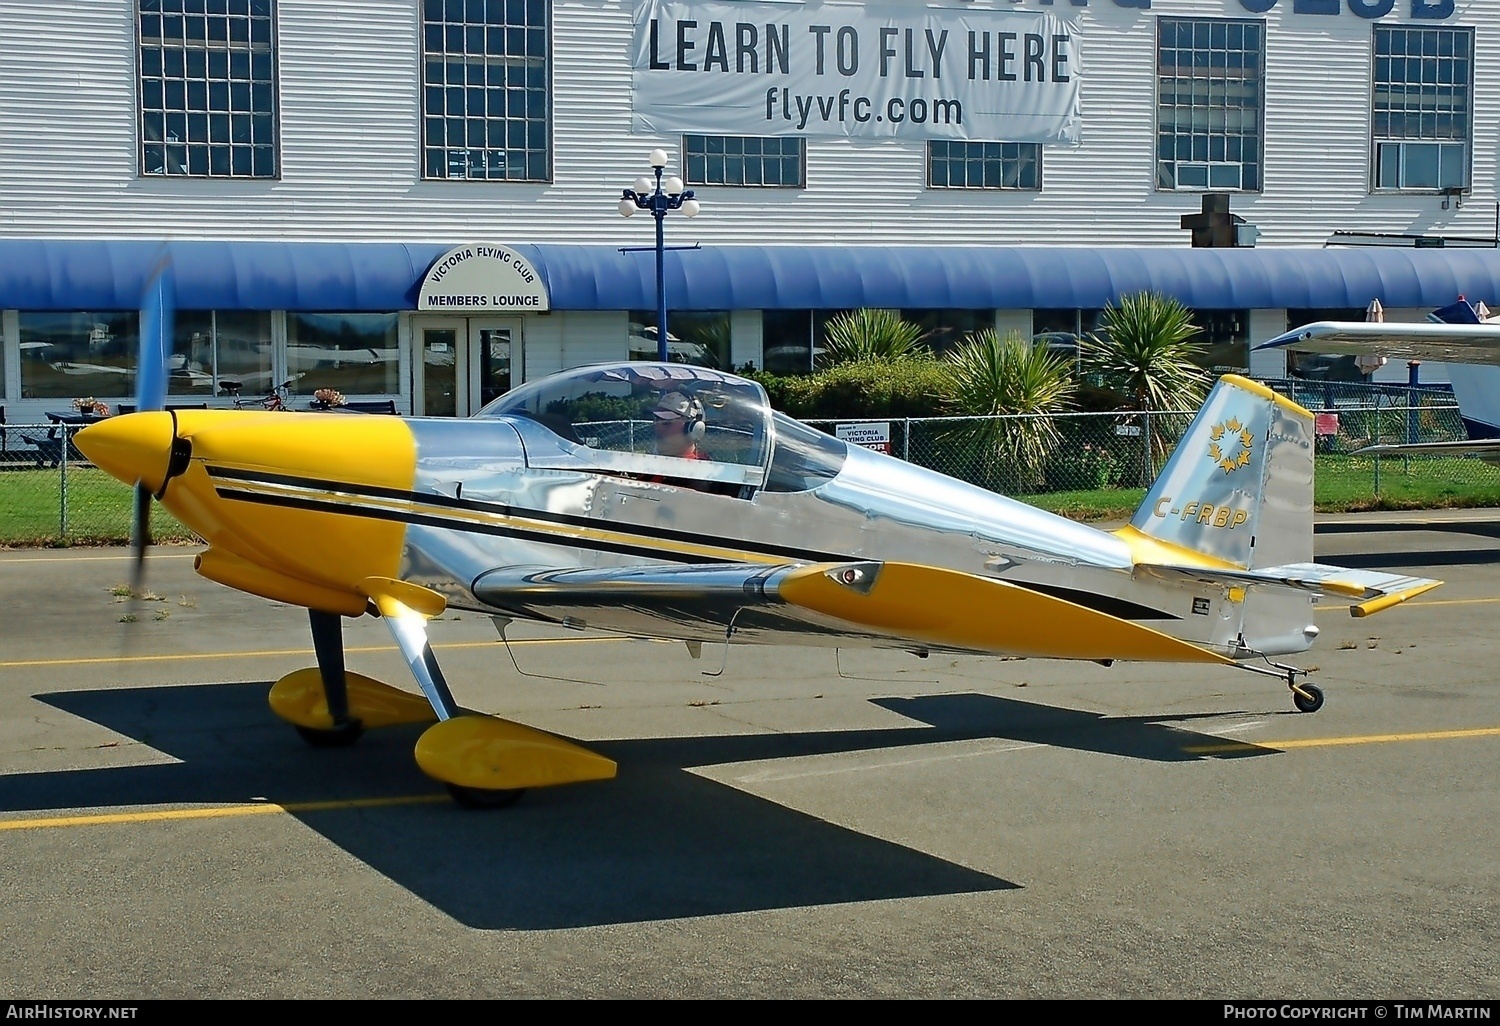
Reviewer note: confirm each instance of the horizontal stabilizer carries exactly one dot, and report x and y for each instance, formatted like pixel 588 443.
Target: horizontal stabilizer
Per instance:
pixel 1371 590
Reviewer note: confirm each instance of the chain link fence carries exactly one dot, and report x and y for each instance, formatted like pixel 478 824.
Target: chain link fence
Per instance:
pixel 1074 462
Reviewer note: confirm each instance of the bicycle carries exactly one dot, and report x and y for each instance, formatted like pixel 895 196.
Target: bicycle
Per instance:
pixel 275 399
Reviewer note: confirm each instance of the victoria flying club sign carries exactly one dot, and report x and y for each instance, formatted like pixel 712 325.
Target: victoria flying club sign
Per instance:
pixel 867 70
pixel 482 277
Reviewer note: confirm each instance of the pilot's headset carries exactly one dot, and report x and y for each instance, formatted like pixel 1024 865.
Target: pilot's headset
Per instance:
pixel 680 406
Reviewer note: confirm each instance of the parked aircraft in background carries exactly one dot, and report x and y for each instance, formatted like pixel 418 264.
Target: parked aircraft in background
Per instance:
pixel 1460 333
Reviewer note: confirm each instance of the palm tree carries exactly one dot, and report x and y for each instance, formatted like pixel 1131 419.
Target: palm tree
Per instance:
pixel 870 335
pixel 992 375
pixel 1146 352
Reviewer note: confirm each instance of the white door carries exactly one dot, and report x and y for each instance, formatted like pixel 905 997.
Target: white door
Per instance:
pixel 463 362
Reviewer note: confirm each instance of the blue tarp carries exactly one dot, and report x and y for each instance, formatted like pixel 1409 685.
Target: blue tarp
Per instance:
pixel 81 274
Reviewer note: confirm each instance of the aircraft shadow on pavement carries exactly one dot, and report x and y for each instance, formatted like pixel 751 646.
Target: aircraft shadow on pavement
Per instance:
pixel 655 843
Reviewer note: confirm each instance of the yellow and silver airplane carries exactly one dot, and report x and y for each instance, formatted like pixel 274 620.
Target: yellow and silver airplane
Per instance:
pixel 671 501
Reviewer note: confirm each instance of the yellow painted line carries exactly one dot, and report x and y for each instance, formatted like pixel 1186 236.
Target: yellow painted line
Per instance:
pixel 264 653
pixel 96 559
pixel 221 812
pixel 1333 742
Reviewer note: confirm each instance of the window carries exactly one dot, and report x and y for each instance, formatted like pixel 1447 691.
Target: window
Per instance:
pixel 984 165
pixel 213 346
pixel 79 353
pixel 745 160
pixel 944 329
pixel 693 336
pixel 1322 366
pixel 355 353
pixel 487 89
pixel 1208 101
pixel 207 80
pixel 1225 335
pixel 792 339
pixel 1424 82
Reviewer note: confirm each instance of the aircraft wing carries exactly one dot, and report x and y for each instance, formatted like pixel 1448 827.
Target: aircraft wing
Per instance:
pixel 1371 590
pixel 893 605
pixel 1487 449
pixel 1444 343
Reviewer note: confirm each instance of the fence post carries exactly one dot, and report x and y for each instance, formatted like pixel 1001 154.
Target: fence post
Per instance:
pixel 62 490
pixel 1146 474
pixel 1377 442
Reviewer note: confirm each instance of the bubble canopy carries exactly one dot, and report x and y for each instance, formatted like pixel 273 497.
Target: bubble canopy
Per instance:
pixel 611 411
pixel 615 407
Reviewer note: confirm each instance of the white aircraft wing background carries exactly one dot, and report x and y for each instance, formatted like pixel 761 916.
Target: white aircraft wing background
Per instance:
pixel 1441 343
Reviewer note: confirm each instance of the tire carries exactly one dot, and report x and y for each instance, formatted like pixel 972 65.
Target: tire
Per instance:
pixel 484 798
pixel 1305 704
pixel 339 737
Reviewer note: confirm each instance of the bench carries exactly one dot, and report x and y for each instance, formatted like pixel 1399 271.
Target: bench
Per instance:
pixel 130 407
pixel 379 406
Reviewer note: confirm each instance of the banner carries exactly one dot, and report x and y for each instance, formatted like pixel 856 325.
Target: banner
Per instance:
pixel 869 71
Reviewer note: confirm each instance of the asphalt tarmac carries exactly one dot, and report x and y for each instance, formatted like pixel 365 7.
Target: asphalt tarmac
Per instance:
pixel 804 825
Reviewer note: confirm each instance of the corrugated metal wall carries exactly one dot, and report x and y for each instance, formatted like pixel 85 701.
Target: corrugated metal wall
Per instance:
pixel 350 143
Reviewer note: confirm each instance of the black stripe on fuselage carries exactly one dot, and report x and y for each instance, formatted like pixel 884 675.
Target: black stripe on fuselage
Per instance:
pixel 526 513
pixel 1117 607
pixel 429 520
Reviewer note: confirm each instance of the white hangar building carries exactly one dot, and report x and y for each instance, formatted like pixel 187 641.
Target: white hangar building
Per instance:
pixel 417 199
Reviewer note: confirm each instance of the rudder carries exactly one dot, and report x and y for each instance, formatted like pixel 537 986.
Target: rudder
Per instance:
pixel 1239 486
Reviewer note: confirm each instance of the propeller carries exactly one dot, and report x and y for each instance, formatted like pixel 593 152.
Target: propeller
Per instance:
pixel 157 308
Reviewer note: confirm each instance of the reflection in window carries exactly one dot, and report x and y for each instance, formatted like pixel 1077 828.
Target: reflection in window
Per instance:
pixel 693 336
pixel 76 354
pixel 486 90
pixel 1209 86
pixel 207 80
pixel 1322 366
pixel 944 329
pixel 355 353
pixel 984 165
pixel 1420 122
pixel 1225 334
pixel 744 160
pixel 212 347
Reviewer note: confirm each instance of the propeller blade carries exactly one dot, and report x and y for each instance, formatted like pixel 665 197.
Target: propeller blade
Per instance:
pixel 158 306
pixel 157 309
pixel 140 537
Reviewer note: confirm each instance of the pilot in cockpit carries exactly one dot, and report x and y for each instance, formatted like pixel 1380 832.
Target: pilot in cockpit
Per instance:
pixel 680 427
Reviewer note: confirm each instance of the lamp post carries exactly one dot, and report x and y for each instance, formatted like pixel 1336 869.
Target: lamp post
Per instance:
pixel 659 197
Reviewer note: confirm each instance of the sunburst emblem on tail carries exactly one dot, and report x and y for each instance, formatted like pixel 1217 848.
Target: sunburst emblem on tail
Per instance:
pixel 1216 452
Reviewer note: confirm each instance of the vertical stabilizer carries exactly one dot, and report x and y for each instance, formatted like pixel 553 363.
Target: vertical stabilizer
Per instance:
pixel 1239 486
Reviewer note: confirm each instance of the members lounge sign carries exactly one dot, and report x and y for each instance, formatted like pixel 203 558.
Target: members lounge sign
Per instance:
pixel 482 278
pixel 863 70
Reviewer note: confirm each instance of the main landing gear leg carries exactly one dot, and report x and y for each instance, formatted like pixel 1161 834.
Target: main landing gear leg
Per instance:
pixel 410 632
pixel 328 644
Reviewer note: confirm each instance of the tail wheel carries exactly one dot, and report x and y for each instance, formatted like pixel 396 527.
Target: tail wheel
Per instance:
pixel 1307 698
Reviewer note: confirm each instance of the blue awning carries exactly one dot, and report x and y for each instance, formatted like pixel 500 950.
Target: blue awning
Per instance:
pixel 68 274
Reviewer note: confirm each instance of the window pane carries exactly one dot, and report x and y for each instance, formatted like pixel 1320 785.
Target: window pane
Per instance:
pixel 1209 94
pixel 72 355
pixel 489 45
pixel 984 165
pixel 355 353
pixel 750 160
pixel 215 63
pixel 787 341
pixel 1423 96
